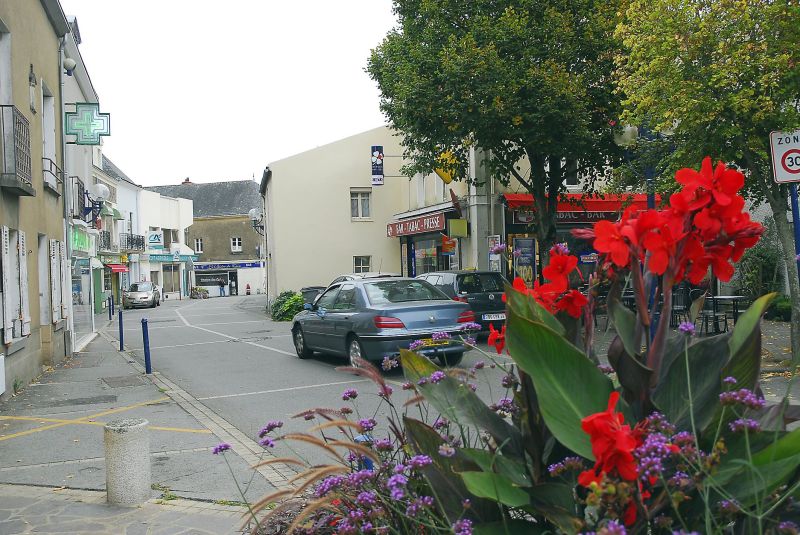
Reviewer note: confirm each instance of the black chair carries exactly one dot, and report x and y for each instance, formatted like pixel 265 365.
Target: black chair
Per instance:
pixel 681 305
pixel 710 316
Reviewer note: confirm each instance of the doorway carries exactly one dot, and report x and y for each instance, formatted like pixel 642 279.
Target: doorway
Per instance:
pixel 233 283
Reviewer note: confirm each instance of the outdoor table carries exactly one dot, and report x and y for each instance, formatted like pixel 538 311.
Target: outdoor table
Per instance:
pixel 733 300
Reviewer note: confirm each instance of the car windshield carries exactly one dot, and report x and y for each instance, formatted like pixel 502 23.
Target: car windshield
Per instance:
pixel 383 292
pixel 141 287
pixel 472 283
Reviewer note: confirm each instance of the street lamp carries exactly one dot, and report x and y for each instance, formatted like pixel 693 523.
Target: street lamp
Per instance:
pixel 95 195
pixel 257 218
pixel 626 139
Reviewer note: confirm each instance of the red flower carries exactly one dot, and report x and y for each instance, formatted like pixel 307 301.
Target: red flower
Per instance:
pixel 573 303
pixel 612 443
pixel 609 239
pixel 497 338
pixel 559 268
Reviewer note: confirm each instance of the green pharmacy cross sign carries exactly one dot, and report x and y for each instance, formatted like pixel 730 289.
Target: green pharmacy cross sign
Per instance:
pixel 88 124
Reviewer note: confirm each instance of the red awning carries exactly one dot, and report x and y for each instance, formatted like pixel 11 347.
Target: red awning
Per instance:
pixel 577 202
pixel 117 268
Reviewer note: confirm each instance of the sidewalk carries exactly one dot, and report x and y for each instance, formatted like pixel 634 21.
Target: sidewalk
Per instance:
pixel 52 467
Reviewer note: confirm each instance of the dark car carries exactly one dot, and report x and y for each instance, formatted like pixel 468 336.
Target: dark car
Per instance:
pixel 375 318
pixel 481 290
pixel 141 294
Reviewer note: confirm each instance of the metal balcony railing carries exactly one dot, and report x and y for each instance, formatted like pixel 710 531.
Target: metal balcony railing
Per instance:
pixel 53 175
pixel 15 150
pixel 131 242
pixel 104 241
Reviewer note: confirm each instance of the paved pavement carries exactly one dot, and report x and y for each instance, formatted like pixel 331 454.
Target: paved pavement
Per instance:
pixel 221 371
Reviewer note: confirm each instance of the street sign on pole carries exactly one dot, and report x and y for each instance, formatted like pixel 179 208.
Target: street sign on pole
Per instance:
pixel 785 149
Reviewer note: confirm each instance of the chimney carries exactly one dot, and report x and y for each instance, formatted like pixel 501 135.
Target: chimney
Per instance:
pixel 187 181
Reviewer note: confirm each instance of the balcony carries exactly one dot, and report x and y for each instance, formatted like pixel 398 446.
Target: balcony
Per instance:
pixel 15 153
pixel 53 176
pixel 104 242
pixel 131 242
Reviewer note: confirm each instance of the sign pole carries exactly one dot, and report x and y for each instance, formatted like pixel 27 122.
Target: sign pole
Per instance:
pixel 795 222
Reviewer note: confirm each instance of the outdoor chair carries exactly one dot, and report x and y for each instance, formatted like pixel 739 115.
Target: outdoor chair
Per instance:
pixel 710 317
pixel 681 305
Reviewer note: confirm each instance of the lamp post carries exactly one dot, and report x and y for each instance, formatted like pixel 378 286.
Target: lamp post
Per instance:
pixel 627 138
pixel 257 220
pixel 95 195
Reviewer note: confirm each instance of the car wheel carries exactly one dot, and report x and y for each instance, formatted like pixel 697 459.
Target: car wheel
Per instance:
pixel 453 359
pixel 153 305
pixel 300 343
pixel 158 303
pixel 355 352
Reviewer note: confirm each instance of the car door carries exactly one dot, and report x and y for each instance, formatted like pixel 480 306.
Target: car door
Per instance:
pixel 317 330
pixel 340 316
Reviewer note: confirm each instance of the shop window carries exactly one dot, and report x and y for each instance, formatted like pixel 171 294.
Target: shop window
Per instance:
pixel 236 245
pixel 360 204
pixel 361 264
pixel 425 256
pixel 106 280
pixel 198 245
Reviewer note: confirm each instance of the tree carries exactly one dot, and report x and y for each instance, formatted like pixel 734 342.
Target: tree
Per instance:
pixel 723 73
pixel 527 81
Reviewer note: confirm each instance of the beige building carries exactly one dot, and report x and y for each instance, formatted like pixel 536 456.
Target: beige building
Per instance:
pixel 33 251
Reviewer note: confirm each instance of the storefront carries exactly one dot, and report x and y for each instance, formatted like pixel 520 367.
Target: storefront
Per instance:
pixel 574 211
pixel 170 272
pixel 82 251
pixel 235 276
pixel 426 243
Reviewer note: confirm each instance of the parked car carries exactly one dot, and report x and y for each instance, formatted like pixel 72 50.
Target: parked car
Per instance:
pixel 310 293
pixel 375 318
pixel 141 294
pixel 481 290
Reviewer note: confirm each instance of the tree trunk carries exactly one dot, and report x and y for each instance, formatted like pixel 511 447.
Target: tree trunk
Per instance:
pixel 777 202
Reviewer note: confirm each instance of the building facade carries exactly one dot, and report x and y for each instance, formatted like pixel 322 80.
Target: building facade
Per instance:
pixel 227 246
pixel 34 268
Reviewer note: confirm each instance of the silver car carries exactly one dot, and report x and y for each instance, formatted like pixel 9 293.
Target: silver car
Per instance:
pixel 375 318
pixel 141 294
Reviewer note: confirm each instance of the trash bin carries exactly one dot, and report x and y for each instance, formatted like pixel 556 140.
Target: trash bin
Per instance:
pixel 311 292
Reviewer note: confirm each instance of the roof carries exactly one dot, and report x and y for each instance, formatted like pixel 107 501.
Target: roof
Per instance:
pixel 115 172
pixel 236 197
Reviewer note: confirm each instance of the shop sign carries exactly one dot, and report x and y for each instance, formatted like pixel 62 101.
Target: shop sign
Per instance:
pixel 589 258
pixel 170 258
pixel 227 265
pixel 377 165
pixel 449 245
pixel 80 240
pixel 210 279
pixel 123 258
pixel 418 225
pixel 526 217
pixel 525 259
pixel 155 239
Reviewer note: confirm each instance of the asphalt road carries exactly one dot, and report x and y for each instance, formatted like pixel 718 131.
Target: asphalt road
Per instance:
pixel 230 357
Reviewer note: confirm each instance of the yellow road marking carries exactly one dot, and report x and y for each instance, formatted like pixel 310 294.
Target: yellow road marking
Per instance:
pixel 81 420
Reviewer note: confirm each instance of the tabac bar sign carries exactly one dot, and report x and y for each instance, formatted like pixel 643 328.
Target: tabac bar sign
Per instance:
pixel 418 225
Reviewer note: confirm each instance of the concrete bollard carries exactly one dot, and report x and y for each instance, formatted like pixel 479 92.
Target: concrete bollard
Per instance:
pixel 127 445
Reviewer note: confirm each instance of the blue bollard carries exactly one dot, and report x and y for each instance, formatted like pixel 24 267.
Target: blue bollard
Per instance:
pixel 108 306
pixel 121 342
pixel 146 340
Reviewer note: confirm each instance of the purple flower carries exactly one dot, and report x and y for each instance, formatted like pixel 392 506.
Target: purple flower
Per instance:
pixel 328 484
pixel 730 507
pixel 270 427
pixel 614 528
pixel 408 386
pixel 744 424
pixel 471 326
pixel 561 248
pixel 350 393
pixel 742 396
pixel 419 461
pixel 367 424
pixel 686 327
pixel 396 485
pixel 416 344
pixel 788 527
pixel 470 341
pixel 446 450
pixel 729 380
pixel 566 465
pixel 357 479
pixel 219 448
pixel 679 480
pixel 441 335
pixel 500 248
pixel 389 363
pixel 606 369
pixel 472 386
pixel 422 381
pixel 505 406
pixel 440 422
pixel 267 442
pixel 508 381
pixel 659 423
pixel 383 444
pixel 367 498
pixel 517 253
pixel 462 527
pixel 346 410
pixel 416 506
pixel 385 391
pixel 479 365
pixel 437 376
pixel 651 455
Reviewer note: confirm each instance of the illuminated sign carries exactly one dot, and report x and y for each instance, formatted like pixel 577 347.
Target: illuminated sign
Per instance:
pixel 87 123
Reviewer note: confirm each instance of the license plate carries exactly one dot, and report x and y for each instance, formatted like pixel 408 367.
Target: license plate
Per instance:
pixel 494 316
pixel 430 342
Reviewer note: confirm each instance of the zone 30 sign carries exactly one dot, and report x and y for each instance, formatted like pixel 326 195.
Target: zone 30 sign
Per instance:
pixel 785 156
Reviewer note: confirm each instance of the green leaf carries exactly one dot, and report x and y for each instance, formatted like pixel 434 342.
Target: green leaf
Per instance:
pixel 511 527
pixel 568 385
pixel 753 483
pixel 495 487
pixel 632 374
pixel 456 402
pixel 745 344
pixel 706 360
pixel 515 471
pixel 786 446
pixel 556 502
pixel 526 306
pixel 625 324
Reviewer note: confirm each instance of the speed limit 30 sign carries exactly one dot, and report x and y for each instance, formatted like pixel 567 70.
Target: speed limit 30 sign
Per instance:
pixel 785 148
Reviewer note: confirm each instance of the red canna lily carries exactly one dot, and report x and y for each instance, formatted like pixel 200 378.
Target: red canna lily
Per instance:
pixel 612 442
pixel 497 338
pixel 609 239
pixel 572 303
pixel 559 268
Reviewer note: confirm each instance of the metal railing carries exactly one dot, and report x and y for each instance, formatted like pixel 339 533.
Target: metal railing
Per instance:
pixel 78 198
pixel 15 144
pixel 104 241
pixel 131 242
pixel 53 175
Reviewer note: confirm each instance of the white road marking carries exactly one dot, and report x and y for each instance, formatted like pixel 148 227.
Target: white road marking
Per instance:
pixel 284 389
pixel 232 322
pixel 218 314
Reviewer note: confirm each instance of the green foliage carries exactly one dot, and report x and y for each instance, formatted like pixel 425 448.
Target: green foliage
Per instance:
pixel 286 305
pixel 781 309
pixel 759 270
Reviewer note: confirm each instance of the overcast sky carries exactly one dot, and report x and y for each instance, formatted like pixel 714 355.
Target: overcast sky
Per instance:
pixel 216 90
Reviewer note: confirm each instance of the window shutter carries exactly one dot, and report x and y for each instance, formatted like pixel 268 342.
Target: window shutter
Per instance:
pixel 5 261
pixel 55 301
pixel 66 279
pixel 23 284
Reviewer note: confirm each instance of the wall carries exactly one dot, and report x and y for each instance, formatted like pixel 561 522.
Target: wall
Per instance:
pixel 313 238
pixel 216 233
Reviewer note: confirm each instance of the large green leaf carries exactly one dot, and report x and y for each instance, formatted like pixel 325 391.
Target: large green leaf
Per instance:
pixel 526 306
pixel 745 344
pixel 786 446
pixel 515 471
pixel 568 385
pixel 456 402
pixel 495 487
pixel 625 324
pixel 706 360
pixel 632 374
pixel 750 484
pixel 556 501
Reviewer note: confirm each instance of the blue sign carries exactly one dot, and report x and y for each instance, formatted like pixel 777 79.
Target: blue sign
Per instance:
pixel 170 258
pixel 227 265
pixel 377 165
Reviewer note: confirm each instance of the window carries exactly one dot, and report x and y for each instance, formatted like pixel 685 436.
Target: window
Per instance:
pixel 327 299
pixel 198 245
pixel 346 299
pixel 361 264
pixel 107 280
pixel 384 292
pixel 236 245
pixel 359 204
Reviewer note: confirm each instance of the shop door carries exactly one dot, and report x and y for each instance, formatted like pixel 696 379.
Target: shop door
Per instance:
pixel 233 283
